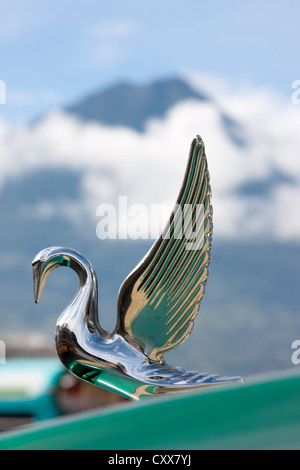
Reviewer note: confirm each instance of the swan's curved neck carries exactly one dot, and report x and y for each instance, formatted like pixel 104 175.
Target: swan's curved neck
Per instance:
pixel 82 312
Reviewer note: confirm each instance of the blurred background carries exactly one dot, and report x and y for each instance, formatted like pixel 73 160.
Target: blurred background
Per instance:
pixel 101 100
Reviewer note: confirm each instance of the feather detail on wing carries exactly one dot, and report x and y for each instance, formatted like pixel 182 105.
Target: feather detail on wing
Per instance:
pixel 159 300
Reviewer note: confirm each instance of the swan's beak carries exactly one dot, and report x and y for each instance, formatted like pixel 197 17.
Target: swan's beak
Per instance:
pixel 41 270
pixel 42 265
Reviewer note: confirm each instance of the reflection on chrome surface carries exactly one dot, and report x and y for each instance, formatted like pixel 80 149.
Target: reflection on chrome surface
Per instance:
pixel 74 395
pixel 156 307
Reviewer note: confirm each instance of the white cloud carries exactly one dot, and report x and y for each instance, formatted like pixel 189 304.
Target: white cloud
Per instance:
pixel 149 167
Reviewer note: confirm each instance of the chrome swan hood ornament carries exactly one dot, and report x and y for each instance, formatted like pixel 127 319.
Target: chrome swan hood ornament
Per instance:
pixel 156 307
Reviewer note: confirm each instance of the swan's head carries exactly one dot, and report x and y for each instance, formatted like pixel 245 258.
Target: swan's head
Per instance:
pixel 50 258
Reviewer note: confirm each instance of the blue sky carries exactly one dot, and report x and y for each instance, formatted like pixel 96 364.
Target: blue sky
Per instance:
pixel 53 53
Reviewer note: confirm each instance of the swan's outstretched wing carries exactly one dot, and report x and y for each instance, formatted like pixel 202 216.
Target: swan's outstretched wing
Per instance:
pixel 159 300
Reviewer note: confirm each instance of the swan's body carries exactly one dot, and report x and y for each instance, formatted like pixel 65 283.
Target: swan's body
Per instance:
pixel 157 305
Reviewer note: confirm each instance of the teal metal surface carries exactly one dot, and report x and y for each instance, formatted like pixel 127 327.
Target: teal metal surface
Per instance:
pixel 263 413
pixel 27 387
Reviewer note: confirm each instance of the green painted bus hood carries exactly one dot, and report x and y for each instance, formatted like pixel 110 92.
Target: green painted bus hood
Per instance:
pixel 263 413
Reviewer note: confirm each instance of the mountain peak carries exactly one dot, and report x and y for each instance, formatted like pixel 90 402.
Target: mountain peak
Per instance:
pixel 126 104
